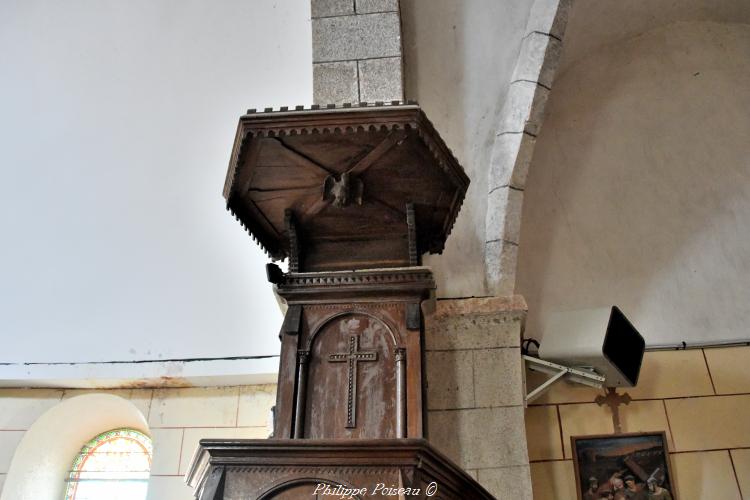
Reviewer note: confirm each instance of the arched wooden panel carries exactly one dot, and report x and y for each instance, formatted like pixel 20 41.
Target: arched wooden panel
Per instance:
pixel 351 386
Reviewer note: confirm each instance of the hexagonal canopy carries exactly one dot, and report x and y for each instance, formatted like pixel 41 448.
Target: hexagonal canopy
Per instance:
pixel 344 187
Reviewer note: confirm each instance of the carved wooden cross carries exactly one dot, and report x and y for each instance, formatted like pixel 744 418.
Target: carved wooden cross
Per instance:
pixel 352 357
pixel 614 400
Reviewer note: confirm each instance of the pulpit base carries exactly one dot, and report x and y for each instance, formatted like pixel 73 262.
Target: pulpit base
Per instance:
pixel 286 469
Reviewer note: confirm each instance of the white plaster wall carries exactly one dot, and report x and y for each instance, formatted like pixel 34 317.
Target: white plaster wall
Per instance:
pixel 116 128
pixel 61 421
pixel 459 57
pixel 42 459
pixel 639 190
pixel 597 23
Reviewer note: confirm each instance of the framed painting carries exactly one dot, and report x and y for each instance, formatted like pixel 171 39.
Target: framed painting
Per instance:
pixel 623 466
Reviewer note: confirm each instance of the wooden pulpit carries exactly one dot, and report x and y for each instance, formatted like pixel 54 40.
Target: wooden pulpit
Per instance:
pixel 352 197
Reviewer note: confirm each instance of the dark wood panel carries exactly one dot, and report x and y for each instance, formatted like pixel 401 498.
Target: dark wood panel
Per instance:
pixel 343 173
pixel 275 469
pixel 352 380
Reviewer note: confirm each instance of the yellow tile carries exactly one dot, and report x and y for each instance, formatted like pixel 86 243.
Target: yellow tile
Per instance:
pixel 9 441
pixel 167 451
pixel 193 436
pixel 645 416
pixel 583 420
pixel 168 488
pixel 560 392
pixel 729 369
pixel 255 405
pixel 709 423
pixel 741 460
pixel 543 433
pixel 553 480
pixel 195 407
pixel 672 374
pixel 19 408
pixel 704 476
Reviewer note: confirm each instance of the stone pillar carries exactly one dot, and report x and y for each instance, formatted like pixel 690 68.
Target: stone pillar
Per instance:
pixel 356 51
pixel 475 390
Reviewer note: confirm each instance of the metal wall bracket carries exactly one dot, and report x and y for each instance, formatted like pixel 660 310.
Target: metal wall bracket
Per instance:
pixel 558 371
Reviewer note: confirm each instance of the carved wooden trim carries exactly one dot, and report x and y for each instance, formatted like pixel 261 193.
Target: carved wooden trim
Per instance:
pixel 354 277
pixel 357 307
pixel 213 488
pixel 394 333
pixel 300 402
pixel 396 118
pixel 340 459
pixel 411 225
pixel 400 356
pixel 291 232
pixel 284 484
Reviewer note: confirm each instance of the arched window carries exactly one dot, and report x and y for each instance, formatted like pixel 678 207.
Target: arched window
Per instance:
pixel 114 465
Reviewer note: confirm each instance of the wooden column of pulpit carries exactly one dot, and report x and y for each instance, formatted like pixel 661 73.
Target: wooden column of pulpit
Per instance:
pixel 352 197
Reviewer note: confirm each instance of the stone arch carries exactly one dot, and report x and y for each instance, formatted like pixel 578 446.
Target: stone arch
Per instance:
pixel 42 460
pixel 622 161
pixel 523 112
pixel 520 120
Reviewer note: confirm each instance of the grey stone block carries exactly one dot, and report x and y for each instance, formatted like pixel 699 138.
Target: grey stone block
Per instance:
pixel 505 149
pixel 498 379
pixel 335 83
pixel 356 37
pixel 538 60
pixel 324 8
pixel 523 110
pixel 549 16
pixel 500 261
pixel 367 6
pixel 511 157
pixel 480 438
pixel 450 379
pixel 474 331
pixel 507 482
pixel 503 220
pixel 381 80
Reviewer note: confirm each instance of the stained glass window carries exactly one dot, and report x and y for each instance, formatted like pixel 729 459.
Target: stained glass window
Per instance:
pixel 114 465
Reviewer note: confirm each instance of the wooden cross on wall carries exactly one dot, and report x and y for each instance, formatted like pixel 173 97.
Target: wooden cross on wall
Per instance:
pixel 353 357
pixel 614 400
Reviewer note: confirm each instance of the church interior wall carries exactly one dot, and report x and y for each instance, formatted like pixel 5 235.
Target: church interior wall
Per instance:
pixel 699 397
pixel 458 62
pixel 638 188
pixel 176 419
pixel 636 194
pixel 635 190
